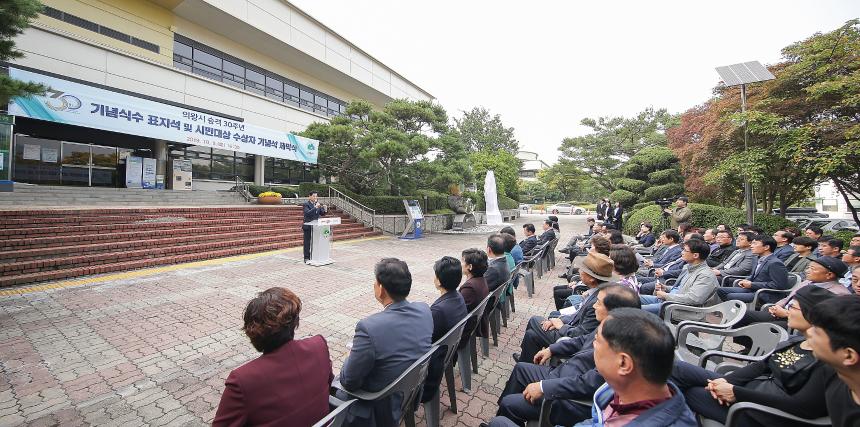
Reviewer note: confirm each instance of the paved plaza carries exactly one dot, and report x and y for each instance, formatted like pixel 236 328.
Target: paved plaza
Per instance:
pixel 153 347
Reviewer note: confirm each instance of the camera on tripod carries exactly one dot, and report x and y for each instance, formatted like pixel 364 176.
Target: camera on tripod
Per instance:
pixel 665 202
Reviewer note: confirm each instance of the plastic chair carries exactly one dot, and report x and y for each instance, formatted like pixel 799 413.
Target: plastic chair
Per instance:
pixel 794 281
pixel 729 313
pixel 336 417
pixel 495 311
pixel 467 356
pixel 546 409
pixel 508 306
pixel 728 281
pixel 450 342
pixel 409 383
pixel 698 350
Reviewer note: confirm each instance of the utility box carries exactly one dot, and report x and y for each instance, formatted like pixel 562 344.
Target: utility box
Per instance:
pixel 180 174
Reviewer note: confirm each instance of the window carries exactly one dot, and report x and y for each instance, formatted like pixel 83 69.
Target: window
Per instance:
pixel 274 88
pixel 182 50
pixel 321 104
pixel 207 65
pixel 255 82
pixel 234 74
pixel 307 101
pixel 291 94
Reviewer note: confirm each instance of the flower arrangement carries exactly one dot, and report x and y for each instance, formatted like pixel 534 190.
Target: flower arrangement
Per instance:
pixel 269 198
pixel 269 194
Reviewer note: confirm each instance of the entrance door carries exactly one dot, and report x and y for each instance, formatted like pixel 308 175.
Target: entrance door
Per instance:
pixel 89 165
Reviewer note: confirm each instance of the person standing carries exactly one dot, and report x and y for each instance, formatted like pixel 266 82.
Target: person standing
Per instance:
pixel 681 213
pixel 617 216
pixel 312 212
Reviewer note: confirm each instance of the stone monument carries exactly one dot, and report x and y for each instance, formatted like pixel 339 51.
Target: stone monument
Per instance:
pixel 494 217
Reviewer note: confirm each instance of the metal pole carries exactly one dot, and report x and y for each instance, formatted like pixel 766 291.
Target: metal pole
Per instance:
pixel 748 194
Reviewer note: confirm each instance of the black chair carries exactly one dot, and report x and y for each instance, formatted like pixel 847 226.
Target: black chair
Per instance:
pixel 467 355
pixel 449 344
pixel 495 311
pixel 337 415
pixel 409 383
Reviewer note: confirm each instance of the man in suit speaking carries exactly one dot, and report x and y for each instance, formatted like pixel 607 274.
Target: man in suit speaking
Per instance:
pixel 312 210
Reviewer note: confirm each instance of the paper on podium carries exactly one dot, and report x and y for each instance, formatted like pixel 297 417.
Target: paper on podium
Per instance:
pixel 325 221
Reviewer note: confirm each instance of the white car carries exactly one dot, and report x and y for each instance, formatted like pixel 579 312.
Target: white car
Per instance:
pixel 828 225
pixel 565 208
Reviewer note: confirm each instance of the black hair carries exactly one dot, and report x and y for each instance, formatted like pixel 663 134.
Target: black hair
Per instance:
pixel 394 276
pixel 477 259
pixel 755 229
pixel 449 272
pixel 553 218
pixel 312 193
pixel 529 227
pixel 645 338
pixel 817 230
pixel 684 227
pixel 648 225
pixel 616 237
pixel 766 240
pixel 856 250
pixel 839 318
pixel 508 230
pixel 624 258
pixel 835 243
pixel 601 245
pixel 672 235
pixel 510 241
pixel 699 246
pixel 727 231
pixel 695 236
pixel 619 296
pixel 548 222
pixel 748 234
pixel 555 226
pixel 744 227
pixel 787 235
pixel 590 219
pixel 805 241
pixel 496 244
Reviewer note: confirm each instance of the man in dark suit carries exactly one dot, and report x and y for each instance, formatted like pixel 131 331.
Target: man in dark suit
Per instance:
pixel 530 241
pixel 669 240
pixel 385 345
pixel 595 270
pixel 769 273
pixel 548 234
pixel 312 211
pixel 783 244
pixel 497 268
pixel 602 208
pixel 617 216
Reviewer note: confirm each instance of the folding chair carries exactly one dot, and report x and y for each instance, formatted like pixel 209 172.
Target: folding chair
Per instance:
pixel 449 344
pixel 495 311
pixel 337 415
pixel 794 281
pixel 467 355
pixel 699 351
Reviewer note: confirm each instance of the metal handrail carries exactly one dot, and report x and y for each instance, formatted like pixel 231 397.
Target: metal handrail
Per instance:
pixel 243 189
pixel 340 195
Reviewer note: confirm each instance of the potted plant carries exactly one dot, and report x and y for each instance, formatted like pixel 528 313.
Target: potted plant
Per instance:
pixel 269 198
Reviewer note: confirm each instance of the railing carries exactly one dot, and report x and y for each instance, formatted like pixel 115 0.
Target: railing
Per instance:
pixel 351 206
pixel 243 189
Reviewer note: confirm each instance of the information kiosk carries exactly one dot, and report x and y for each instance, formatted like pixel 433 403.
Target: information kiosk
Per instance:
pixel 415 227
pixel 321 240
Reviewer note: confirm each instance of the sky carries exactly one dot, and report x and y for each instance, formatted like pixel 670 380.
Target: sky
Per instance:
pixel 546 65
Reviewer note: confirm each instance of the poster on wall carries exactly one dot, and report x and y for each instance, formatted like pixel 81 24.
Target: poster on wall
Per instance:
pixel 148 177
pixel 83 105
pixel 49 155
pixel 32 152
pixel 133 172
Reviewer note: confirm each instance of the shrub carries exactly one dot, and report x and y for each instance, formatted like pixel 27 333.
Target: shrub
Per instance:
pixel 665 190
pixel 845 236
pixel 626 198
pixel 704 216
pixel 631 185
pixel 665 176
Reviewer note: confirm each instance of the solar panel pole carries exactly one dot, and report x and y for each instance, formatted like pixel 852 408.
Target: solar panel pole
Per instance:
pixel 748 193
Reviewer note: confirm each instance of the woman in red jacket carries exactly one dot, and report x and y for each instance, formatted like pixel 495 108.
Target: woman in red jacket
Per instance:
pixel 289 383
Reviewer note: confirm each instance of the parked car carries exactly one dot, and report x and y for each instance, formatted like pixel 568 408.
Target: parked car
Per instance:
pixel 524 207
pixel 830 225
pixel 793 213
pixel 565 208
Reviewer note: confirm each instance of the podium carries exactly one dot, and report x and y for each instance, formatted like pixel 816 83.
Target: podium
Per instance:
pixel 321 240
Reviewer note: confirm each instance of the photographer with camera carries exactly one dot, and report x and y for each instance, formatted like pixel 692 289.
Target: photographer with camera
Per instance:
pixel 680 214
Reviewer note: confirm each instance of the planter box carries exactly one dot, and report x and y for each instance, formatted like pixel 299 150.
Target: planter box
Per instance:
pixel 270 200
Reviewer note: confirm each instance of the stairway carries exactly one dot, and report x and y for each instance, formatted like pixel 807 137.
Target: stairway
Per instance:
pixel 47 195
pixel 51 244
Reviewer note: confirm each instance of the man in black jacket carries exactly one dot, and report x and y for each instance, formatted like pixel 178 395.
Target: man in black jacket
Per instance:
pixel 497 268
pixel 724 248
pixel 312 211
pixel 548 234
pixel 530 241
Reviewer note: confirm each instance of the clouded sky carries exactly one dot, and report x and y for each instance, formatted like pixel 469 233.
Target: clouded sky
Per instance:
pixel 546 65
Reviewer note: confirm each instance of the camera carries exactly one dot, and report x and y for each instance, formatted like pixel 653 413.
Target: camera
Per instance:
pixel 664 202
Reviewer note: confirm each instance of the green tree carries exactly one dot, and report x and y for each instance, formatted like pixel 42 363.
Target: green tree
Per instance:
pixel 396 151
pixel 481 131
pixel 532 190
pixel 15 16
pixel 565 179
pixel 504 165
pixel 612 141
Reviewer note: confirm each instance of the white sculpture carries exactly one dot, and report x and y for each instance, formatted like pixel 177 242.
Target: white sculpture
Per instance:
pixel 494 217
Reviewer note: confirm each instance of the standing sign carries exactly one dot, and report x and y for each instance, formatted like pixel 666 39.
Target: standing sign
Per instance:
pixel 133 172
pixel 148 178
pixel 414 229
pixel 83 105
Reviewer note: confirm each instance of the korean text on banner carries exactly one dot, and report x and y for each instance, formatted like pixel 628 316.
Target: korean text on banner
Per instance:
pixel 82 105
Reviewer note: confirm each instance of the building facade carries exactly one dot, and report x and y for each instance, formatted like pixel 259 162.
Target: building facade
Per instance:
pixel 221 83
pixel 531 165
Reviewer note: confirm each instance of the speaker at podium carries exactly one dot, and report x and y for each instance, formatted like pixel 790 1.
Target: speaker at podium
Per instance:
pixel 321 240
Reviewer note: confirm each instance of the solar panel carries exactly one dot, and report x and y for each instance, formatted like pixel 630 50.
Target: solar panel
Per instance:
pixel 744 73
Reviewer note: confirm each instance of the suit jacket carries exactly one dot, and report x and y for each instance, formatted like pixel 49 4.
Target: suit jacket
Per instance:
pixel 575 378
pixel 287 386
pixel 769 273
pixel 797 264
pixel 601 211
pixel 617 216
pixel 497 273
pixel 740 263
pixel 528 244
pixel 720 254
pixel 474 291
pixel 384 346
pixel 312 213
pixel 546 237
pixel 448 310
pixel 783 252
pixel 584 321
pixel 671 254
pixel 646 240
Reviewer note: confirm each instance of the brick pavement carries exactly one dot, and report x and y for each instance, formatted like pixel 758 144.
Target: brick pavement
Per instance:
pixel 155 349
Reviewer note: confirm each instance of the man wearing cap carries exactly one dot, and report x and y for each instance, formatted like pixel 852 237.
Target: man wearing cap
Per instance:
pixel 851 257
pixel 822 272
pixel 681 213
pixel 596 269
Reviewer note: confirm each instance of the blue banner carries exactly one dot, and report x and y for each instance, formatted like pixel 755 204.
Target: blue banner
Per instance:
pixel 82 105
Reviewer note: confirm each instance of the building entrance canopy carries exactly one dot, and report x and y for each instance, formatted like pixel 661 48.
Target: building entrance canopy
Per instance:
pixel 83 105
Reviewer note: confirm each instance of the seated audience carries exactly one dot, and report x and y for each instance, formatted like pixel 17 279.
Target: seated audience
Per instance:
pixel 803 254
pixel 835 341
pixel 790 379
pixel 633 351
pixel 829 246
pixel 851 257
pixel 530 241
pixel 645 237
pixel 695 284
pixel 855 240
pixel 813 232
pixel 548 234
pixel 516 252
pixel 741 261
pixel 385 345
pixel 710 237
pixel 448 310
pixel 289 383
pixel 561 293
pixel 624 258
pixel 497 268
pixel 474 289
pixel 596 269
pixel 855 280
pixel 669 239
pixel 723 227
pixel 723 250
pixel 574 378
pixel 769 273
pixel 783 244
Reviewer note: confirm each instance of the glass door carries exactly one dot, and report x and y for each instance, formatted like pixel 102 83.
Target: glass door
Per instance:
pixel 103 168
pixel 76 164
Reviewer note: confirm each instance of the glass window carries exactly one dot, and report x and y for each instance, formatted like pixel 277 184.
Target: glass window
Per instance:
pixel 254 82
pixel 274 88
pixel 291 92
pixel 182 66
pixel 207 59
pixel 222 167
pixel 181 49
pixel 200 168
pixel 245 167
pixel 220 152
pixel 203 152
pixel 234 69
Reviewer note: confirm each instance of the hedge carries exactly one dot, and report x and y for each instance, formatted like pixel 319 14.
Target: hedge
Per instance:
pixel 705 216
pixel 845 236
pixel 631 185
pixel 626 198
pixel 664 176
pixel 660 191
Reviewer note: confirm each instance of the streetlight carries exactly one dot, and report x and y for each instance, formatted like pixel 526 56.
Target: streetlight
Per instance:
pixel 741 75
